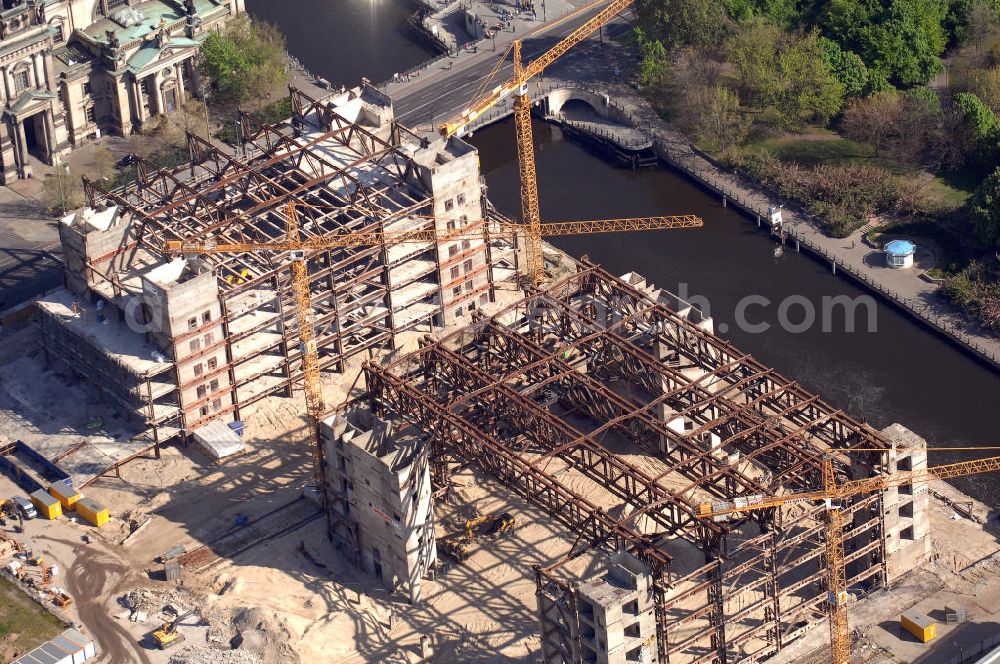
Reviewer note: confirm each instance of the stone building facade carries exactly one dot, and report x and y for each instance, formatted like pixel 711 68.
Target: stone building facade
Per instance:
pixel 74 69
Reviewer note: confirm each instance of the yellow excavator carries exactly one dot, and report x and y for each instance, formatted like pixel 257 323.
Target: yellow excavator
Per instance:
pixel 484 526
pixel 489 526
pixel 168 636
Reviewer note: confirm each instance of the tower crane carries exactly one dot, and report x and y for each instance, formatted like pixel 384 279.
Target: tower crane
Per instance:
pixel 518 86
pixel 298 248
pixel 831 493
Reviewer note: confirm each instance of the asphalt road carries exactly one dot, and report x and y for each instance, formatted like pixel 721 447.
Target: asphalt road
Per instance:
pixel 444 92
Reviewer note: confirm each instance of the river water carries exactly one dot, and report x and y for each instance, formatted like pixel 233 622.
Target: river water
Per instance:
pixel 343 40
pixel 900 372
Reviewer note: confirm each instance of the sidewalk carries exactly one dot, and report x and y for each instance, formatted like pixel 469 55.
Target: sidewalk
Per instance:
pixel 910 289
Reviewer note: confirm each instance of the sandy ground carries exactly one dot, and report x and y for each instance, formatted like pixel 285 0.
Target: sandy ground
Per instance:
pixel 295 598
pixel 964 570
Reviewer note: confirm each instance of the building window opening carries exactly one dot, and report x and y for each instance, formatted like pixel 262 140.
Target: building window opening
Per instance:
pixel 212 363
pixel 21 80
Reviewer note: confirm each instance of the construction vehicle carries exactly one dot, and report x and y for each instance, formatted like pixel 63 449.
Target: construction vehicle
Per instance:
pixel 458 546
pixel 11 510
pixel 489 526
pixel 60 598
pixel 298 251
pixel 168 636
pixel 518 86
pixel 831 494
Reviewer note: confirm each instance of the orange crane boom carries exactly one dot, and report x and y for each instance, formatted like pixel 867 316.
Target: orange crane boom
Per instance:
pixel 505 230
pixel 298 248
pixel 518 86
pixel 840 633
pixel 524 74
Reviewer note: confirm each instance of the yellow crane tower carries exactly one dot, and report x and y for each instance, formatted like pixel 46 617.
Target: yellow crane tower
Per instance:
pixel 298 248
pixel 831 493
pixel 518 86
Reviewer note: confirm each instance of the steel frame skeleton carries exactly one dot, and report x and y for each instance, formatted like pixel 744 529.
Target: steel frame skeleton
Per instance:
pixel 591 356
pixel 243 197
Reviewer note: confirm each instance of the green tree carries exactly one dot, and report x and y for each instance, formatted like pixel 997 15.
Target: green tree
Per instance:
pixel 785 73
pixel 62 191
pixel 655 60
pixel 720 123
pixel 683 22
pixel 984 211
pixel 977 127
pixel 808 91
pixel 900 39
pixel 245 61
pixel 753 51
pixel 849 69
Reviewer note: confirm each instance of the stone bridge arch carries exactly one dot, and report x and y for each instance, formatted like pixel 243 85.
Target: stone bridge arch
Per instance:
pixel 560 97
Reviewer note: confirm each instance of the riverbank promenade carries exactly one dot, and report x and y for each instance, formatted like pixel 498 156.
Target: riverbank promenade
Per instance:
pixel 909 289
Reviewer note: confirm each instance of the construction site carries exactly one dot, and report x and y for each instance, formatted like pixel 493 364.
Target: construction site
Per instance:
pixel 503 453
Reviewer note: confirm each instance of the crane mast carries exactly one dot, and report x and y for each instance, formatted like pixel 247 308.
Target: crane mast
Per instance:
pixel 833 492
pixel 518 86
pixel 311 381
pixel 298 249
pixel 530 214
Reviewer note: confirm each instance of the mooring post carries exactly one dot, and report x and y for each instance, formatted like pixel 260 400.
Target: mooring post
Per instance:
pixel 723 201
pixel 833 264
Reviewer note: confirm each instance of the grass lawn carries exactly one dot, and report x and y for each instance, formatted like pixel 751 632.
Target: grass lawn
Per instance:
pixel 818 146
pixel 23 624
pixel 950 194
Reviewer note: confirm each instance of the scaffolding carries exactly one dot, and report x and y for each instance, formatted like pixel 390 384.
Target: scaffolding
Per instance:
pixel 350 168
pixel 592 362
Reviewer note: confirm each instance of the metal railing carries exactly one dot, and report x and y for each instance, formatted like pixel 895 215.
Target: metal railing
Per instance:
pixel 702 172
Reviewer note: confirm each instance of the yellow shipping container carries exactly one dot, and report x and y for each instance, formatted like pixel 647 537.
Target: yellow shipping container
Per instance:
pixel 92 512
pixel 47 506
pixel 67 495
pixel 918 625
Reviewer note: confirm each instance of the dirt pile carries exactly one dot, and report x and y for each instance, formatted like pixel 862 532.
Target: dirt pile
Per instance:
pixel 244 636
